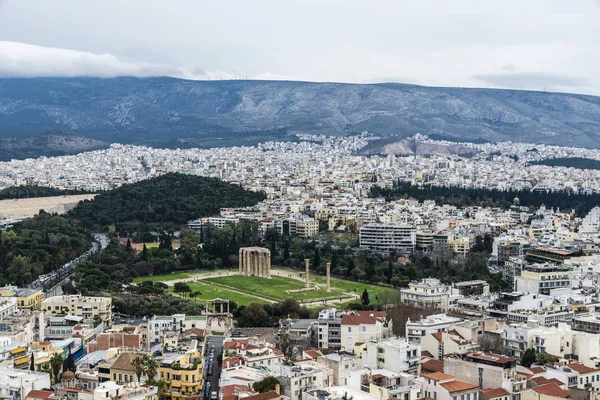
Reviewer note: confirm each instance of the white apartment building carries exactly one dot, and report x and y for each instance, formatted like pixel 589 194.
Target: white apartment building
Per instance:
pixel 451 342
pixel 388 238
pixel 363 326
pixel 8 306
pixel 394 354
pixel 415 330
pixel 158 325
pixel 429 292
pixel 543 279
pixel 16 383
pixel 89 308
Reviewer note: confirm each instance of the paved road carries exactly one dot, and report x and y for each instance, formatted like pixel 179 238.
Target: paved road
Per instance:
pixel 66 270
pixel 216 341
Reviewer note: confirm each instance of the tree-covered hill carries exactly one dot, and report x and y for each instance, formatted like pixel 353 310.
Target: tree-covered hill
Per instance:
pixel 39 245
pixel 569 162
pixel 161 203
pixel 30 191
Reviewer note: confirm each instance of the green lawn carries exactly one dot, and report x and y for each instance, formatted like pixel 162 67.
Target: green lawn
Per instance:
pixel 180 275
pixel 210 292
pixel 274 287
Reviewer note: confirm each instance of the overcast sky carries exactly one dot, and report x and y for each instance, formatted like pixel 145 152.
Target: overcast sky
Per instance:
pixel 535 44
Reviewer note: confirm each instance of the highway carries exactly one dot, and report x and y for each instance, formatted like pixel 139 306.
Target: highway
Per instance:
pixel 64 272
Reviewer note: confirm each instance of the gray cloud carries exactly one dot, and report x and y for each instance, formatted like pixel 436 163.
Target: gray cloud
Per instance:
pixel 533 80
pixel 429 42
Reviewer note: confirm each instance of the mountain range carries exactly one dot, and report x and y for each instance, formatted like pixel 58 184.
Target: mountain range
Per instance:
pixel 169 112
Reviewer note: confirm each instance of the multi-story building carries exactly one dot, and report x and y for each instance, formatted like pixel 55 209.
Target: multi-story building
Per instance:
pixel 587 323
pixel 89 308
pixel 416 330
pixel 16 384
pixel 329 329
pixel 394 354
pixel 388 238
pixel 543 278
pixel 8 306
pixel 576 375
pixel 30 299
pixel 159 324
pixel 441 386
pixel 182 374
pixel 118 369
pixel 451 342
pixel 427 293
pixel 307 227
pixel 363 326
pixel 488 371
pixel 298 379
pixel 112 390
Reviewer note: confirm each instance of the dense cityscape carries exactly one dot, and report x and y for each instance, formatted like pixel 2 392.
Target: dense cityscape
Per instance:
pixel 527 318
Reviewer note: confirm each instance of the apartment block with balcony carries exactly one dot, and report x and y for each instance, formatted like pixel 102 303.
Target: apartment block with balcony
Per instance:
pixel 543 278
pixel 388 238
pixel 429 292
pixel 416 330
pixel 89 308
pixel 182 374
pixel 394 354
pixel 441 386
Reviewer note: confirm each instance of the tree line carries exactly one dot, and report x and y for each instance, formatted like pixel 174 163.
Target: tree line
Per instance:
pixel 38 246
pixel 30 191
pixel 569 162
pixel 580 203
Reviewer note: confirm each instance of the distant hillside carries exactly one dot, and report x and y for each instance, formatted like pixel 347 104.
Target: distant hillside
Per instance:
pixel 165 202
pixel 45 144
pixel 570 162
pixel 178 113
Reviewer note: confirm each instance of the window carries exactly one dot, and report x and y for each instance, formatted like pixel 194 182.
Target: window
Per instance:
pixel 364 328
pixel 349 329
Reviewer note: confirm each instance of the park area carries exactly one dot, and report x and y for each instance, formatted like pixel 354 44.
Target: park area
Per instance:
pixel 243 290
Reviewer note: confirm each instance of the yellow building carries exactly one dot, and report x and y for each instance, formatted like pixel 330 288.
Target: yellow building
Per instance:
pixel 30 299
pixel 182 375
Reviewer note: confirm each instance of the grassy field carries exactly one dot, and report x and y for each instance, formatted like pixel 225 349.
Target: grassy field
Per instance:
pixel 274 287
pixel 179 275
pixel 210 292
pixel 247 289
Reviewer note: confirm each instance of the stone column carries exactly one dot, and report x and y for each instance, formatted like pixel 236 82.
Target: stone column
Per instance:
pixel 241 260
pixel 260 263
pixel 307 263
pixel 328 277
pixel 246 262
pixel 269 265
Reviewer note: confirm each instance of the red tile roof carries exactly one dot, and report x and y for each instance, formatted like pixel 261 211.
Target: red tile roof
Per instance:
pixel 458 386
pixel 495 393
pixel 537 370
pixel 582 369
pixel 425 353
pixel 39 394
pixel 358 320
pixel 438 376
pixel 437 336
pixel 552 389
pixel 433 366
pixel 264 396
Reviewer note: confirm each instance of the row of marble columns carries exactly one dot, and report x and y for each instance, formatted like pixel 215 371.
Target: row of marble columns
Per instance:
pixel 255 262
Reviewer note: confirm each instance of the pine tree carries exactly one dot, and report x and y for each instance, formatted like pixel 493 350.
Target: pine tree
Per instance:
pixel 32 365
pixel 390 272
pixel 286 250
pixel 128 246
pixel 316 260
pixel 365 298
pixel 334 260
pixel 144 255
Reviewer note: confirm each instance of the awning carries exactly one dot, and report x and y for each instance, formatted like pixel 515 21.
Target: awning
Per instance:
pixel 17 350
pixel 21 360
